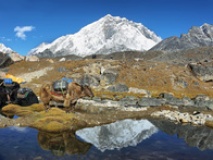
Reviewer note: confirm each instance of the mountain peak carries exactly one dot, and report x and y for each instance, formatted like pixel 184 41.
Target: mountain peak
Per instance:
pixel 5 49
pixel 205 25
pixel 104 36
pixel 10 53
pixel 201 36
pixel 108 16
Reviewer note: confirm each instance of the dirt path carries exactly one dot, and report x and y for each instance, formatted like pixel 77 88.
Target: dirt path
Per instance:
pixel 36 74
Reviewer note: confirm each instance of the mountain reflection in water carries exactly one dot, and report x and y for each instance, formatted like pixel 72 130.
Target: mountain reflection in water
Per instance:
pixel 126 139
pixel 118 135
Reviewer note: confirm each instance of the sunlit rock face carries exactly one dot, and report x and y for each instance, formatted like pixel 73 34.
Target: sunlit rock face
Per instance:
pixel 32 58
pixel 16 57
pixel 202 70
pixel 118 135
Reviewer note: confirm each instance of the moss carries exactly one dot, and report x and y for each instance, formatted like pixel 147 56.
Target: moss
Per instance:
pixel 53 120
pixel 21 111
pixel 209 124
pixel 56 120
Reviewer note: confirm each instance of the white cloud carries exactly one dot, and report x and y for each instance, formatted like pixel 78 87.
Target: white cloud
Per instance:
pixel 20 31
pixel 5 39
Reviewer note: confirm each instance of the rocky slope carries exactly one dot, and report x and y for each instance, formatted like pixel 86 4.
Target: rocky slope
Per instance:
pixel 117 77
pixel 196 37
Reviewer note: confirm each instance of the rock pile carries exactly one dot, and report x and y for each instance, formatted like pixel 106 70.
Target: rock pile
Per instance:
pixel 178 117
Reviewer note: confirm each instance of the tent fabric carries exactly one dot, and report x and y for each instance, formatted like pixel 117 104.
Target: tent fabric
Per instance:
pixel 14 78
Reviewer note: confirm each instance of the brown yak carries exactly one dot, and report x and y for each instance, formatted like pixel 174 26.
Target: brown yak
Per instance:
pixel 68 98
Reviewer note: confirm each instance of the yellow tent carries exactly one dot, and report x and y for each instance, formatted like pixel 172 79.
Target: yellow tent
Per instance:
pixel 15 79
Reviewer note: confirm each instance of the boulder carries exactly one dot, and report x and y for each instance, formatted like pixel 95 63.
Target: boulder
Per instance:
pixel 204 71
pixel 94 68
pixel 62 59
pixel 144 92
pixel 108 78
pixel 89 79
pixel 32 58
pixel 151 102
pixel 118 88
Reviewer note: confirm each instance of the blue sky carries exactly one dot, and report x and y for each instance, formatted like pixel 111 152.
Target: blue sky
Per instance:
pixel 24 24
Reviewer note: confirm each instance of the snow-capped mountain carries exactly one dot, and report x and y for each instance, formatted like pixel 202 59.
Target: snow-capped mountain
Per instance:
pixel 118 135
pixel 10 53
pixel 108 34
pixel 5 49
pixel 196 37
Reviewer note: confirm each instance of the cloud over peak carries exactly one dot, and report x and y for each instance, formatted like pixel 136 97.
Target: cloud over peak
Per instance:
pixel 20 31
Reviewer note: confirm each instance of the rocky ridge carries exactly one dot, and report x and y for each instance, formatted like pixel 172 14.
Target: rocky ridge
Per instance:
pixel 196 37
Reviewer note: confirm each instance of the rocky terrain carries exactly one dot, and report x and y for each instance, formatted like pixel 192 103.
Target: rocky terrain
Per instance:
pixel 121 77
pixel 127 85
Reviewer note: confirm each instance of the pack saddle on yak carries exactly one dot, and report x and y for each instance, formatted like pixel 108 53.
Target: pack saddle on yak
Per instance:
pixel 12 92
pixel 63 92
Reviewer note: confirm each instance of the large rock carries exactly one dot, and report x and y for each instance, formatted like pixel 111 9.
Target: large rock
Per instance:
pixel 151 102
pixel 118 88
pixel 108 74
pixel 204 71
pixel 89 79
pixel 32 58
pixel 94 68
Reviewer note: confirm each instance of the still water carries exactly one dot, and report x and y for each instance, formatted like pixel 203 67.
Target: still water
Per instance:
pixel 122 140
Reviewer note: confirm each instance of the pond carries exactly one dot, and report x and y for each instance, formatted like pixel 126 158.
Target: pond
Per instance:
pixel 123 140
